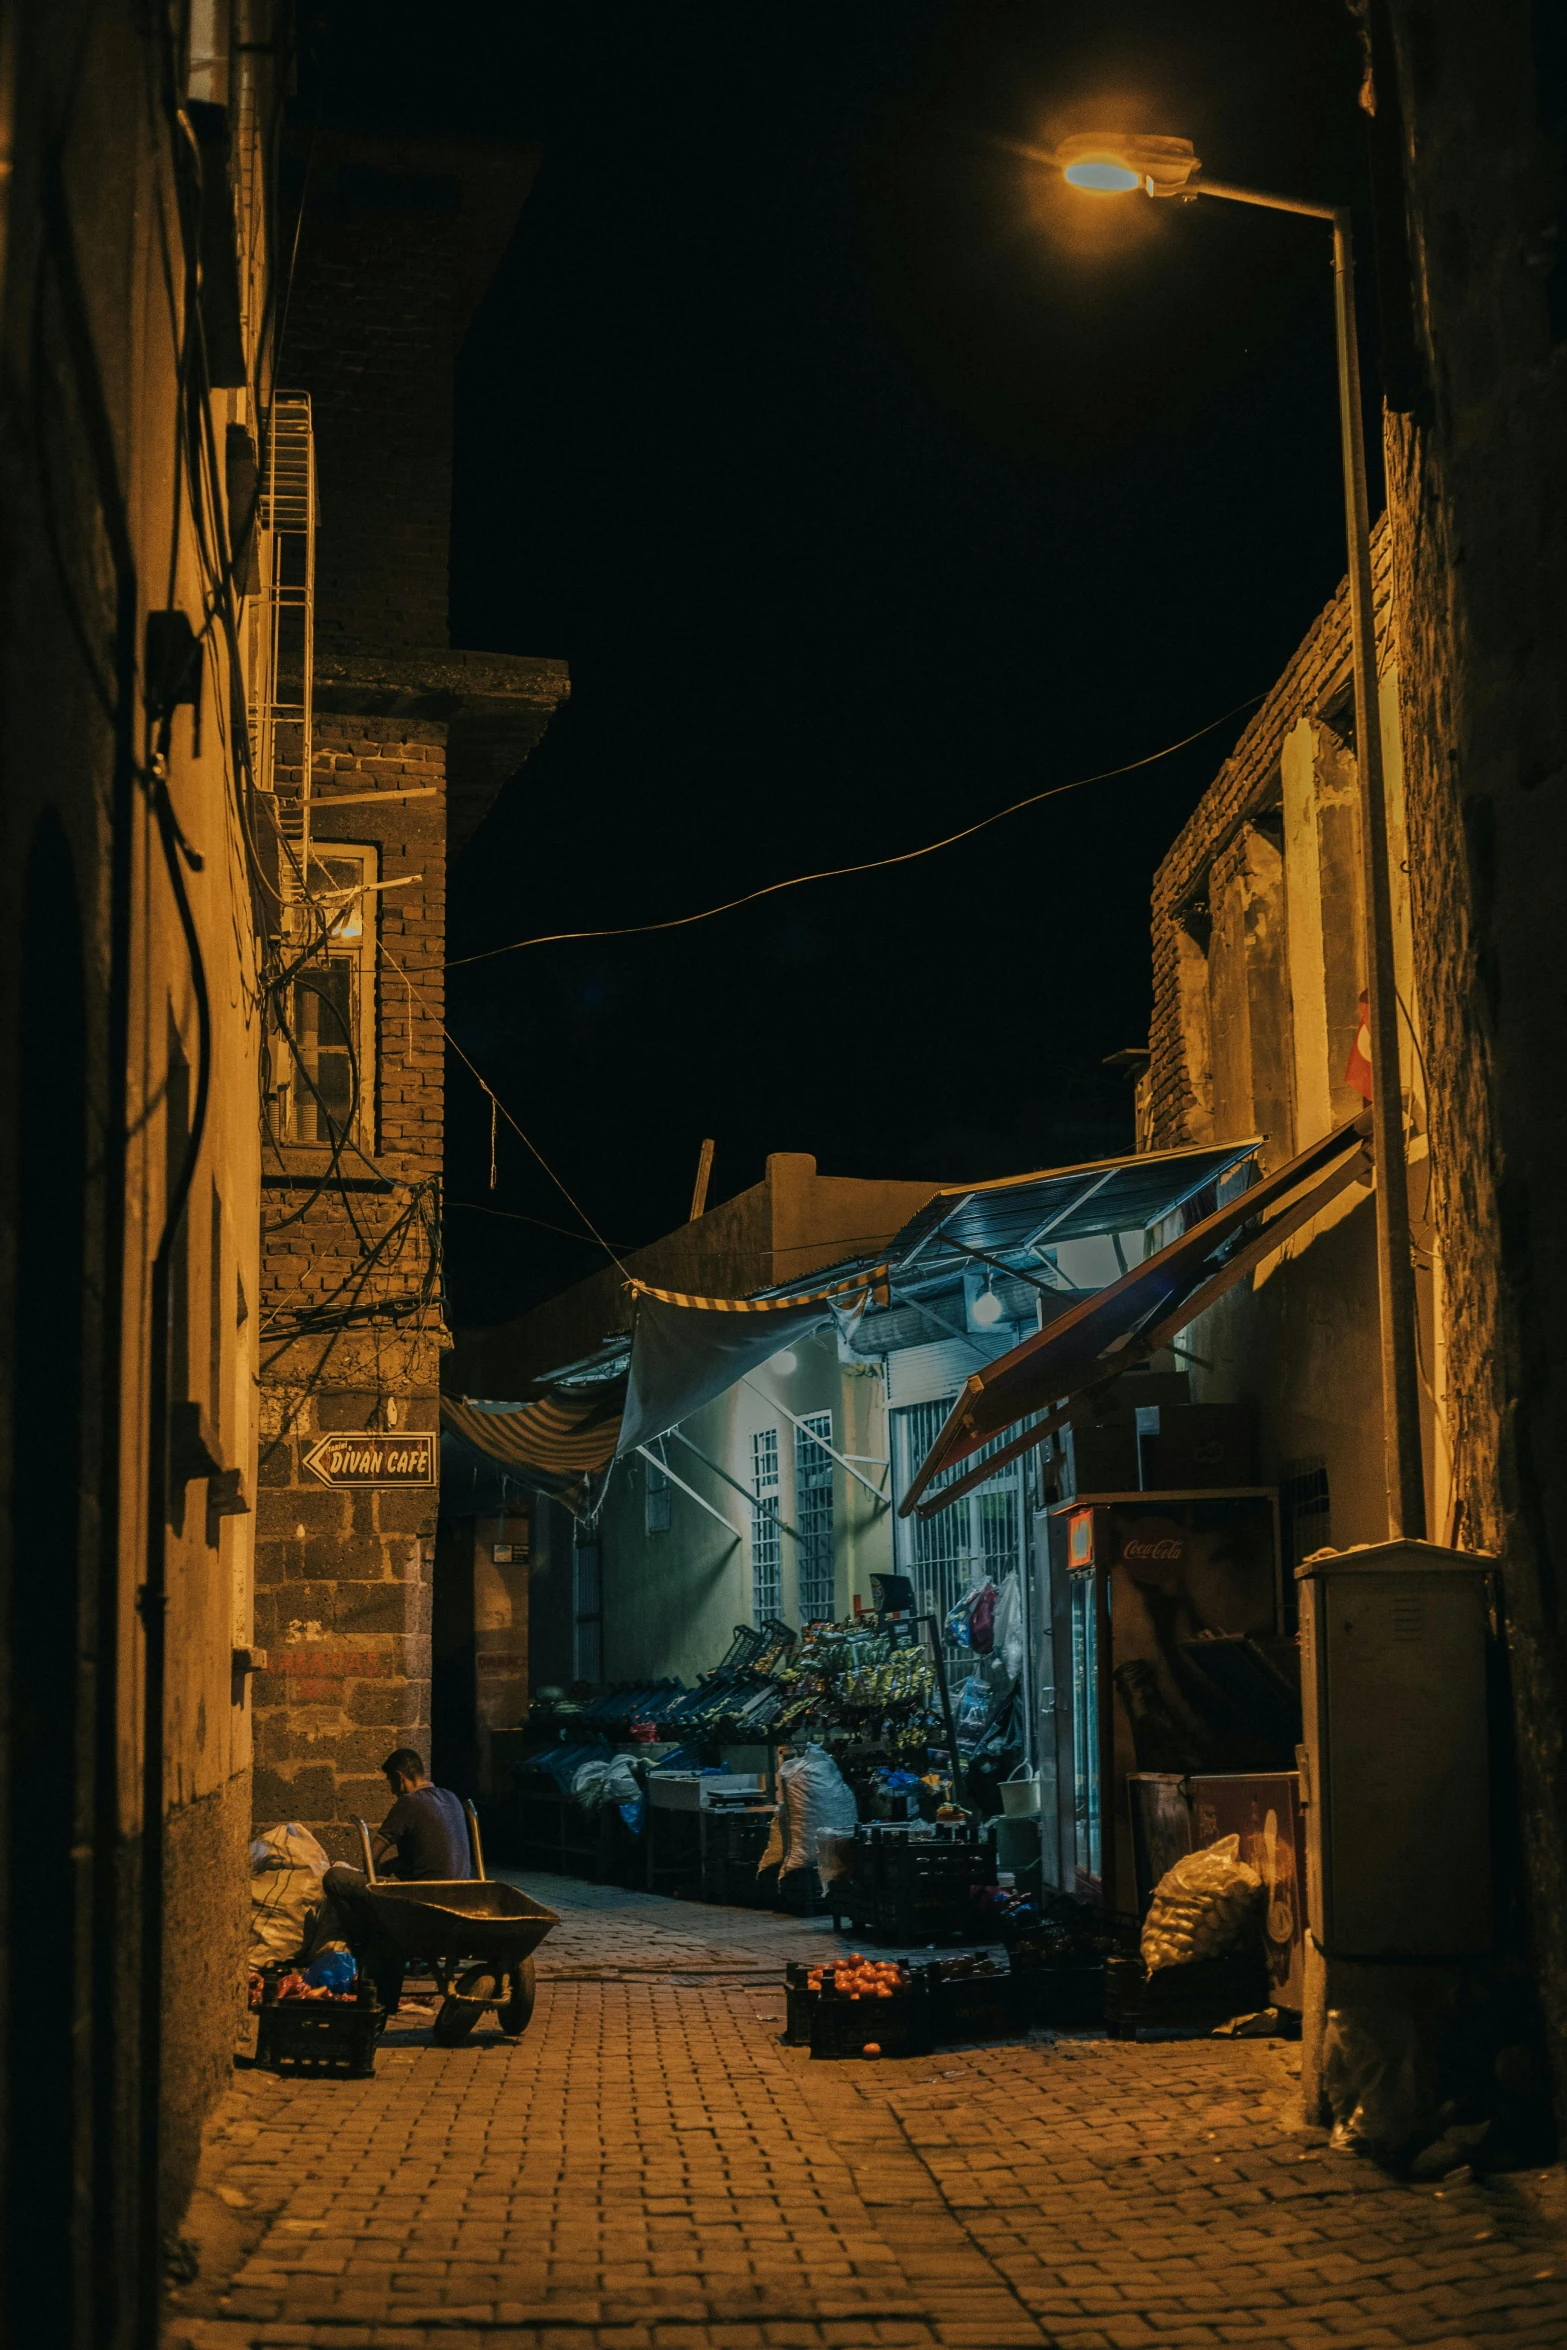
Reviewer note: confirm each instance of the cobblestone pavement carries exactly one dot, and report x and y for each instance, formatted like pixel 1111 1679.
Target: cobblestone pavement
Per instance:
pixel 649 2169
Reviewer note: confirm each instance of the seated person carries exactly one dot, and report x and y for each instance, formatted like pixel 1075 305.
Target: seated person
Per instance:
pixel 423 1837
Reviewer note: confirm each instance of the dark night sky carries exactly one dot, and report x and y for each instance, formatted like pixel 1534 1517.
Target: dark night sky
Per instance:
pixel 868 481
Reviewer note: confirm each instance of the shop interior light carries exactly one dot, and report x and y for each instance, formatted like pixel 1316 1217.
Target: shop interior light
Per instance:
pixel 987 1306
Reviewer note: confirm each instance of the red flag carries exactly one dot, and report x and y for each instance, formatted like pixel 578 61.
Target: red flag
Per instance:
pixel 1358 1073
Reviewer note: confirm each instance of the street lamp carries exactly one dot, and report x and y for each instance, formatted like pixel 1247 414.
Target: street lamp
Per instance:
pixel 1116 163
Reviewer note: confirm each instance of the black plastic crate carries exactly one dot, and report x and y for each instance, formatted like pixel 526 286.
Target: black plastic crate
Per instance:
pixel 978 2006
pixel 917 1888
pixel 836 2024
pixel 329 2039
pixel 841 2025
pixel 1065 1998
pixel 1195 1997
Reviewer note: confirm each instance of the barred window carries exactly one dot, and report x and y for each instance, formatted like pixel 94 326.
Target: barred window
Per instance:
pixel 766 1535
pixel 326 1062
pixel 813 1508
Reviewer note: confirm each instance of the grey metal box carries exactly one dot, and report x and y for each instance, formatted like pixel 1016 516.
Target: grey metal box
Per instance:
pixel 1396 1785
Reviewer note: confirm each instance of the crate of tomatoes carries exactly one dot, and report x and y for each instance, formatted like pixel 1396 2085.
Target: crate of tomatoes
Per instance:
pixel 858 2006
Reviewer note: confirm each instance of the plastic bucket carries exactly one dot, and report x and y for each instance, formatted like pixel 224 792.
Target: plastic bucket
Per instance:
pixel 1020 1795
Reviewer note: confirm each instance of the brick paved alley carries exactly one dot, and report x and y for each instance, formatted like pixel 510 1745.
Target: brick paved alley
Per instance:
pixel 649 2169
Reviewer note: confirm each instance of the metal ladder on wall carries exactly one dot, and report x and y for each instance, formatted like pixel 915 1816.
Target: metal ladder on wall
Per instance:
pixel 281 718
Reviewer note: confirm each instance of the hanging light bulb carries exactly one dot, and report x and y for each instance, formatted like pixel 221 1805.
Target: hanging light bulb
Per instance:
pixel 986 1308
pixel 786 1362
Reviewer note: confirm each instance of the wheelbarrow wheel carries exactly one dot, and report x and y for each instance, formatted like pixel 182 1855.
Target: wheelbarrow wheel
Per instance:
pixel 517 2013
pixel 460 2010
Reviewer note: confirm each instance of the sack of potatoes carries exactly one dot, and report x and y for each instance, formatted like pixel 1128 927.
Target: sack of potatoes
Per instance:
pixel 1209 1903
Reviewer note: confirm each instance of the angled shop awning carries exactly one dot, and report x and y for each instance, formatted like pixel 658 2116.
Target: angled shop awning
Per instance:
pixel 1021 1213
pixel 1054 1372
pixel 686 1350
pixel 552 1446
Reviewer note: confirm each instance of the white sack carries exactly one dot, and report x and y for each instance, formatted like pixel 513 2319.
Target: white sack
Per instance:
pixel 815 1796
pixel 286 1869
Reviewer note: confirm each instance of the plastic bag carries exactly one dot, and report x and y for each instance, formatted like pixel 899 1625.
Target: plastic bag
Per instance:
pixel 813 1795
pixel 1009 1626
pixel 286 1869
pixel 972 1710
pixel 1208 1903
pixel 334 1970
pixel 982 1617
pixel 1374 2081
pixel 611 1781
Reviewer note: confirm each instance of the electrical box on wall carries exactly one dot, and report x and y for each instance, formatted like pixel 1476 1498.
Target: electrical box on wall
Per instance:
pixel 1396 1780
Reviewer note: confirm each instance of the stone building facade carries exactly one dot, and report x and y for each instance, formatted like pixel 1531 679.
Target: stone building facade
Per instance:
pixel 135 361
pixel 1258 965
pixel 1471 132
pixel 411 740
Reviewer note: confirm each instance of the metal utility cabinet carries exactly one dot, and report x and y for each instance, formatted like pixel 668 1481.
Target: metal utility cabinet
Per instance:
pixel 1395 1765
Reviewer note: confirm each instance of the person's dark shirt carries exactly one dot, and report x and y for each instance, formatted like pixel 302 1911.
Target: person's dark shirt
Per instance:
pixel 430 1831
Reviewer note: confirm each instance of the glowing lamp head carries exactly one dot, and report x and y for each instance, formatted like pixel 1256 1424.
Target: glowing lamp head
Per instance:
pixel 785 1363
pixel 1103 177
pixel 986 1308
pixel 1114 163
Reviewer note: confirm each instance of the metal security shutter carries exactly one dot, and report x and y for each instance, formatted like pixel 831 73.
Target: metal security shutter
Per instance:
pixel 924 1374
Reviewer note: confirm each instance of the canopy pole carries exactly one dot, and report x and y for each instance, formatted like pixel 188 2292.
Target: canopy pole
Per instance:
pixel 666 1471
pixel 842 1460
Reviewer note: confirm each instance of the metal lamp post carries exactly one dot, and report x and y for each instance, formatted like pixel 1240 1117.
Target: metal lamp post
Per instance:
pixel 1159 167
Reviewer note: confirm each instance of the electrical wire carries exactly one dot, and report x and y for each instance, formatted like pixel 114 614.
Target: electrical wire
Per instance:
pixel 868 865
pixel 515 1216
pixel 489 1091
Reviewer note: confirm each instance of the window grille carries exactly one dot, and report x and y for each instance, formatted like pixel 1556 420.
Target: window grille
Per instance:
pixel 282 716
pixel 326 1075
pixel 655 1501
pixel 813 1511
pixel 1305 1508
pixel 766 1535
pixel 979 1536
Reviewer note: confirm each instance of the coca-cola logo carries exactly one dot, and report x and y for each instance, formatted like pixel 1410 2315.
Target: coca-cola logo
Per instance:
pixel 1165 1548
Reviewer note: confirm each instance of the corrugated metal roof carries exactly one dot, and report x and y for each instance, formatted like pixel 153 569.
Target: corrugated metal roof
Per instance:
pixel 1066 1203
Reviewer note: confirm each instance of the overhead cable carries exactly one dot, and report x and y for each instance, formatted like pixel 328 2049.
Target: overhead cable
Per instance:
pixel 868 865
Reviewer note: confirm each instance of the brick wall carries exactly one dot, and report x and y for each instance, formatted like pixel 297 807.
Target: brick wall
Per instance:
pixel 1478 487
pixel 343 1579
pixel 400 237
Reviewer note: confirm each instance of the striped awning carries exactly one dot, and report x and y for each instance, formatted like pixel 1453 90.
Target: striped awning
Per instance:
pixel 872 1278
pixel 554 1445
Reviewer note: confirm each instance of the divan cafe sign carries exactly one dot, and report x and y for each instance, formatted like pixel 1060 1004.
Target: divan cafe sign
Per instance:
pixel 365 1457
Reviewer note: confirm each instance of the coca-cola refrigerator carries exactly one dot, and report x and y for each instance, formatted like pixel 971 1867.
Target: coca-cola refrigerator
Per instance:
pixel 1162 1651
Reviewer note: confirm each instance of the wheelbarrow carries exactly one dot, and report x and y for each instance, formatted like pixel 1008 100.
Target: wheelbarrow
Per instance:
pixel 477 1938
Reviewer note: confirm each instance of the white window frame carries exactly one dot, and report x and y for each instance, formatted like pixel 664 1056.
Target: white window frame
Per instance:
pixel 336 867
pixel 814 1517
pixel 766 1529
